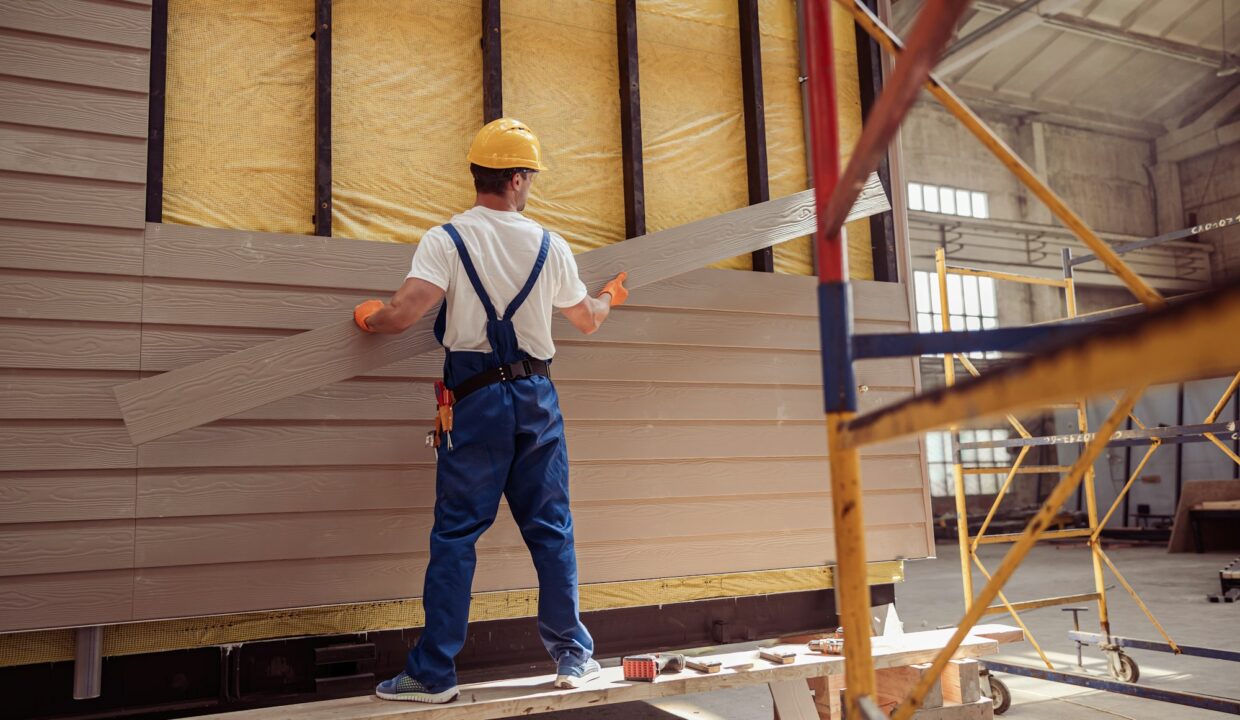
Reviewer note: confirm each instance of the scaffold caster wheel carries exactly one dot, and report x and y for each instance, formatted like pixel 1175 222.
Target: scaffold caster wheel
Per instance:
pixel 1125 668
pixel 1000 695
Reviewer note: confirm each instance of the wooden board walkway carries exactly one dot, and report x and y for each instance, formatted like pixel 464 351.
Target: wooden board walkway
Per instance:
pixel 534 695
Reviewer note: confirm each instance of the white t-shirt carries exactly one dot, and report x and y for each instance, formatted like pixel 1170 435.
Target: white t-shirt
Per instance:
pixel 503 247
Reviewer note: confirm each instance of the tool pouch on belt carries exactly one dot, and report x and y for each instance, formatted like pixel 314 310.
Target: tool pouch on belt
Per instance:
pixel 444 401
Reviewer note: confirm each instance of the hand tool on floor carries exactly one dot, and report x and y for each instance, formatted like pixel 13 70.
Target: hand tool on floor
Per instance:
pixel 779 657
pixel 707 667
pixel 647 667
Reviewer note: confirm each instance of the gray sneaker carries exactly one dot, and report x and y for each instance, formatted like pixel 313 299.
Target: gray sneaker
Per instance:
pixel 403 687
pixel 572 673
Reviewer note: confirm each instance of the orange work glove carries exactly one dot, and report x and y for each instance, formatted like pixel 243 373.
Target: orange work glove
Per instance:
pixel 365 310
pixel 617 290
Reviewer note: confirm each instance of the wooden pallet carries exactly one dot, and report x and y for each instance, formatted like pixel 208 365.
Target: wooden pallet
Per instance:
pixel 795 698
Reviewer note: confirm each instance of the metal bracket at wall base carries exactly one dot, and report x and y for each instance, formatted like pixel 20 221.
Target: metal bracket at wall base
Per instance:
pixel 88 662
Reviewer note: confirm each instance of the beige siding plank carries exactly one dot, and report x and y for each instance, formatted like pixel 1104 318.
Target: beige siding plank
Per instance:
pixel 39 295
pixel 71 200
pixel 179 302
pixel 110 23
pixel 55 445
pixel 172 347
pixel 86 346
pixel 60 395
pixel 228 491
pixel 241 587
pixel 193 253
pixel 66 496
pixel 65 599
pixel 252 444
pixel 189 397
pixel 39 549
pixel 70 248
pixel 69 153
pixel 72 107
pixel 253 538
pixel 73 61
pixel 383 399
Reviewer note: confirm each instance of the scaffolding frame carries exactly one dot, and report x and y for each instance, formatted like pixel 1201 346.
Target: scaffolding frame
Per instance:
pixel 1070 365
pixel 1091 535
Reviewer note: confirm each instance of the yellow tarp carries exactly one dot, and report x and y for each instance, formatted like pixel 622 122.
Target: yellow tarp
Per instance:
pixel 561 76
pixel 239 115
pixel 407 99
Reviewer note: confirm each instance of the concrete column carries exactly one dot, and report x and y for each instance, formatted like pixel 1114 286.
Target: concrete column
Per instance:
pixel 1168 197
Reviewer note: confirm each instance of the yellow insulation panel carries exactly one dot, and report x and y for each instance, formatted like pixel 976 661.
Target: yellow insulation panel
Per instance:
pixel 561 76
pixel 693 128
pixel 406 101
pixel 239 115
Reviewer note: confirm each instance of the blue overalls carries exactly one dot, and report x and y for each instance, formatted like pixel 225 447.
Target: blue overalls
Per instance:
pixel 507 439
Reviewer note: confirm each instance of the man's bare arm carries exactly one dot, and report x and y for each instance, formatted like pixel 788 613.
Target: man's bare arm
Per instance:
pixel 414 298
pixel 589 314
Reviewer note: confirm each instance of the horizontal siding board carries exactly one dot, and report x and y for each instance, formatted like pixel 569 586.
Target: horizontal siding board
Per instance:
pixel 254 538
pixel 72 107
pixel 206 589
pixel 55 445
pixel 227 491
pixel 103 22
pixel 170 347
pixel 72 154
pixel 178 302
pixel 40 295
pixel 73 61
pixel 190 253
pixel 60 395
pixel 45 198
pixel 228 443
pixel 85 346
pixel 70 248
pixel 65 599
pixel 66 496
pixel 401 400
pixel 38 549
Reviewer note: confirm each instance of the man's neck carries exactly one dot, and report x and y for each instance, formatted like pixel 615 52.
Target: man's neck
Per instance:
pixel 495 202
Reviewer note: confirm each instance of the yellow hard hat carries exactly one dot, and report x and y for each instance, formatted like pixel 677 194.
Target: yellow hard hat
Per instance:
pixel 506 143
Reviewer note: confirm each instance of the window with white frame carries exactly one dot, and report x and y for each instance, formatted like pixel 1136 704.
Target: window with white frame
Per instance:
pixel 939 462
pixel 948 200
pixel 971 301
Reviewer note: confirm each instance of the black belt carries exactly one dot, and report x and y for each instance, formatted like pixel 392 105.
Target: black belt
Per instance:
pixel 503 373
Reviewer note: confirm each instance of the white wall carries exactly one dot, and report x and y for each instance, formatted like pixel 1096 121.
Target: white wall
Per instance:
pixel 1210 187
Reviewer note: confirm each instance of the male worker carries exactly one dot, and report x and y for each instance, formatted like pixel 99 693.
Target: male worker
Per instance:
pixel 502 275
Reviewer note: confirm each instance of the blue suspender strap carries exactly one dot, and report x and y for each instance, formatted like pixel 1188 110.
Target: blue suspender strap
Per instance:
pixel 470 271
pixel 529 284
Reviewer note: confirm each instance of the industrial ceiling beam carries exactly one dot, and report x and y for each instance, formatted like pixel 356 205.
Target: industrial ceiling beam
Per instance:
pixel 1085 27
pixel 1205 133
pixel 1013 20
pixel 1013 104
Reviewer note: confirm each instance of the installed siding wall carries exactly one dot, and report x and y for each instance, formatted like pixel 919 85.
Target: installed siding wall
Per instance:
pixel 73 104
pixel 694 423
pixel 694 417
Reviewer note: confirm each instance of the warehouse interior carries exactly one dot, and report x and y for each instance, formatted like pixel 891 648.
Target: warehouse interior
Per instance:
pixel 1003 257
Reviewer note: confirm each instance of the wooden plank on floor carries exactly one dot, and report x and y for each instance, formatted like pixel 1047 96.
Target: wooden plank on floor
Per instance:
pixel 533 695
pixel 186 398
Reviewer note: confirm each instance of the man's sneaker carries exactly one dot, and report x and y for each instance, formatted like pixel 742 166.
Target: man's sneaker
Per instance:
pixel 403 687
pixel 572 673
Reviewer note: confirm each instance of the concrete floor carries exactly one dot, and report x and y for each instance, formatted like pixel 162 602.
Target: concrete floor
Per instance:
pixel 1173 586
